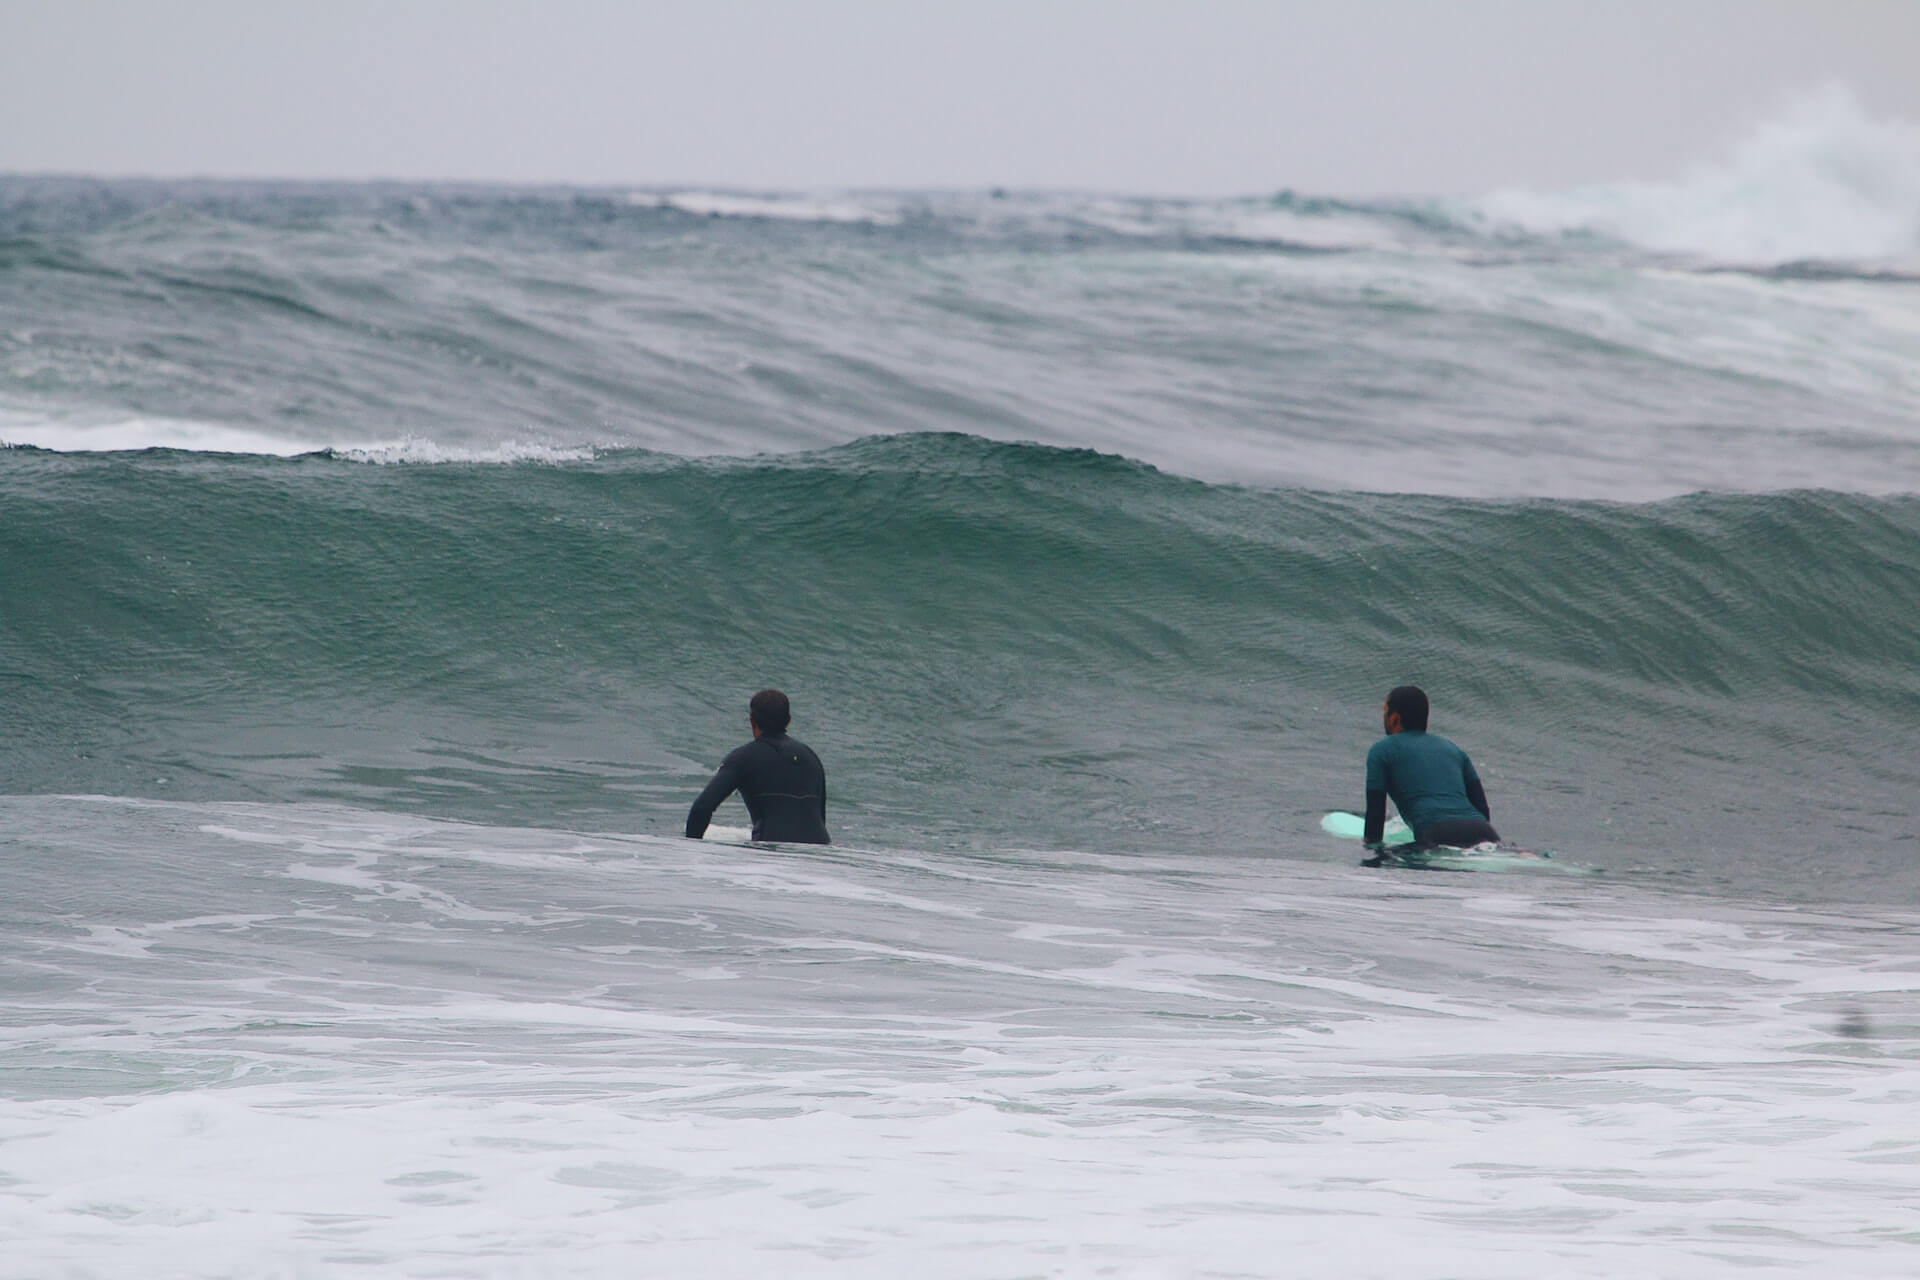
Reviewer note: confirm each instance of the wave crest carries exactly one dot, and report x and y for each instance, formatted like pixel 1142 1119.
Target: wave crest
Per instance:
pixel 1823 181
pixel 137 434
pixel 417 450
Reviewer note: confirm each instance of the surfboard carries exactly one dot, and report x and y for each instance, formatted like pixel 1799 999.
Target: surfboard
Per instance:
pixel 1484 857
pixel 1351 826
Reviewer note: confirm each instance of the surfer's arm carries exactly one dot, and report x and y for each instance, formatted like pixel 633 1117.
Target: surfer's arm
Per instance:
pixel 719 789
pixel 1378 779
pixel 1477 797
pixel 1376 816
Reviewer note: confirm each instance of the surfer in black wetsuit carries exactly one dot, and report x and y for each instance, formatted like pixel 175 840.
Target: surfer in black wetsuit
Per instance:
pixel 779 777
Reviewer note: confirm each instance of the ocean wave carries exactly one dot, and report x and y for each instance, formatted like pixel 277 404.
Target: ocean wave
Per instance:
pixel 419 451
pixel 1015 644
pixel 1288 340
pixel 128 435
pixel 847 209
pixel 1823 182
pixel 144 435
pixel 1061 551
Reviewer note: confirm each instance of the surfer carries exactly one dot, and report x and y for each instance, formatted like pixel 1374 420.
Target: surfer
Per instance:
pixel 779 777
pixel 1431 781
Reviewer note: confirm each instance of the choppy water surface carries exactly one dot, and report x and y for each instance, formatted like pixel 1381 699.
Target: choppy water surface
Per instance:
pixel 313 1040
pixel 383 568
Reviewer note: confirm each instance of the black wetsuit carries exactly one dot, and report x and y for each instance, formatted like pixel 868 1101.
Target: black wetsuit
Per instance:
pixel 784 786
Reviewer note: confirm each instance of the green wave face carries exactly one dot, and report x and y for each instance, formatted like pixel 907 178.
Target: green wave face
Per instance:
pixel 990 644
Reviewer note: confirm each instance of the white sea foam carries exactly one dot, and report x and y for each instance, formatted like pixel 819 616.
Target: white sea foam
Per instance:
pixel 1257 223
pixel 1824 181
pixel 114 435
pixel 421 451
pixel 1343 231
pixel 874 210
pixel 82 433
pixel 520 1052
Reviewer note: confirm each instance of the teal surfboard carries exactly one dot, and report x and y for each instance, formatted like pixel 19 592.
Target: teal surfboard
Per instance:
pixel 1486 857
pixel 1351 826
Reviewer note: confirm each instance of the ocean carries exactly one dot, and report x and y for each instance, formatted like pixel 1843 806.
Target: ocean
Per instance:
pixel 385 567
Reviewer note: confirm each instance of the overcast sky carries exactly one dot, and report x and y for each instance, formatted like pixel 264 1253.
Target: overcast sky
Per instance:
pixel 1357 97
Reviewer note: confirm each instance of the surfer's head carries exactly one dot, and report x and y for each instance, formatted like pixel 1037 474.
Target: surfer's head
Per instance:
pixel 1406 708
pixel 769 711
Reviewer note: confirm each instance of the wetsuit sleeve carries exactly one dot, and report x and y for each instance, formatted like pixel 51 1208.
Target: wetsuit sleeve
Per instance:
pixel 1477 795
pixel 719 789
pixel 1376 795
pixel 1376 816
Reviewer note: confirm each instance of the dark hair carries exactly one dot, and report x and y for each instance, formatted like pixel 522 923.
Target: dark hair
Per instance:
pixel 1409 702
pixel 770 710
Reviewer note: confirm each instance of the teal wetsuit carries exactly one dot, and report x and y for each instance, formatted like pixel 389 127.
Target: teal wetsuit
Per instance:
pixel 1432 784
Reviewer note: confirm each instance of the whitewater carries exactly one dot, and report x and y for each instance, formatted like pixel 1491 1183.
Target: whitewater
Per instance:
pixel 384 568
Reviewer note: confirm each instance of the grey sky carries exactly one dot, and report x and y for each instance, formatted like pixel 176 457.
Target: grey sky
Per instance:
pixel 1227 96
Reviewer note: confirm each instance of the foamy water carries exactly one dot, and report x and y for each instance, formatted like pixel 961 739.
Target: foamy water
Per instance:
pixel 95 434
pixel 302 1041
pixel 1824 180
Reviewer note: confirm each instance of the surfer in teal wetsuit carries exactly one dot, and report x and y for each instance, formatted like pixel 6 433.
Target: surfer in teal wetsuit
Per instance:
pixel 1431 781
pixel 781 780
